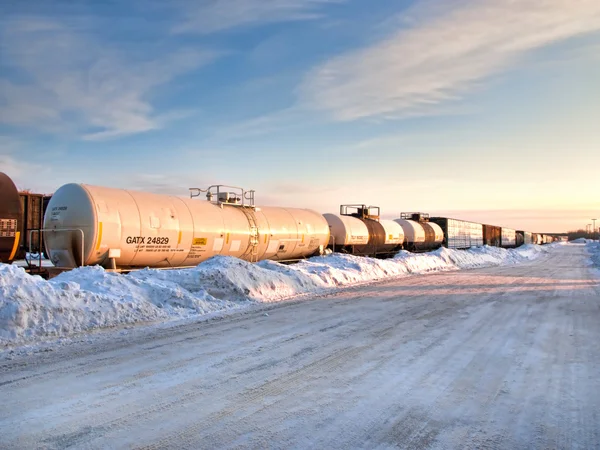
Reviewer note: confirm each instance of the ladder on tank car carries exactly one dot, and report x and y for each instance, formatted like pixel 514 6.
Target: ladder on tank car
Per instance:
pixel 251 253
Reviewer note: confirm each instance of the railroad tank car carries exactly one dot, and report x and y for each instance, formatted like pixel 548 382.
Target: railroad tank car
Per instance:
pixel 508 238
pixel 419 233
pixel 11 218
pixel 118 228
pixel 460 234
pixel 491 235
pixel 358 230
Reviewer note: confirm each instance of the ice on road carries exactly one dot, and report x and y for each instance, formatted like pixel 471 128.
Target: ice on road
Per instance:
pixel 501 357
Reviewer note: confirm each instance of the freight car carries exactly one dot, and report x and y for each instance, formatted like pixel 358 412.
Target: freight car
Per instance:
pixel 492 235
pixel 508 238
pixel 359 230
pixel 117 228
pixel 419 233
pixel 460 234
pixel 528 237
pixel 11 218
pixel 33 207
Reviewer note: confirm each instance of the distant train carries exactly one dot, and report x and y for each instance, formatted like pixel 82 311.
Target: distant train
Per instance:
pixel 125 230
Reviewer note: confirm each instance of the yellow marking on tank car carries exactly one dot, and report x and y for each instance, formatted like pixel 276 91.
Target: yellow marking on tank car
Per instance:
pixel 179 239
pixel 99 236
pixel 227 240
pixel 200 241
pixel 265 238
pixel 15 246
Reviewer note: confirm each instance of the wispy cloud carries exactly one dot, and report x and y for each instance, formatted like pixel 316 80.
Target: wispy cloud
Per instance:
pixel 73 81
pixel 212 16
pixel 443 51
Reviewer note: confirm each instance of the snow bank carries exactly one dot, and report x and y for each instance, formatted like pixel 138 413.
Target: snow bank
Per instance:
pixel 593 248
pixel 89 298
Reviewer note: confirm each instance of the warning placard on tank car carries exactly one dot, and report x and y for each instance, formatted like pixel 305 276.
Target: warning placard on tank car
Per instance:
pixel 200 241
pixel 8 227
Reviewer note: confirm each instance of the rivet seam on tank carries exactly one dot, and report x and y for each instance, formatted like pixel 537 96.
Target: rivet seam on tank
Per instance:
pixel 99 236
pixel 15 246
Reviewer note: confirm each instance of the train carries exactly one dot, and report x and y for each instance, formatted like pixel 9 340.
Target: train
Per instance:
pixel 126 230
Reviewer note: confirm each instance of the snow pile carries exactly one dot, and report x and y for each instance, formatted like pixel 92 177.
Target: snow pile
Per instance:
pixel 89 298
pixel 582 241
pixel 593 248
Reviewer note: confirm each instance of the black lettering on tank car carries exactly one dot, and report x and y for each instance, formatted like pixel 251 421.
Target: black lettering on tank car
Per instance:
pixel 135 240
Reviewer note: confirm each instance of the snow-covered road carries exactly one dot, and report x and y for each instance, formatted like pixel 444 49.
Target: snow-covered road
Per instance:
pixel 503 357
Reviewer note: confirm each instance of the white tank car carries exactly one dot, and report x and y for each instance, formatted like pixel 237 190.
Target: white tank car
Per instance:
pixel 421 235
pixel 439 233
pixel 87 225
pixel 347 230
pixel 413 231
pixel 394 234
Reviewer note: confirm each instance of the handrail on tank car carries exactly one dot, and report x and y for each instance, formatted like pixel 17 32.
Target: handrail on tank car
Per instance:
pixel 45 230
pixel 360 210
pixel 240 196
pixel 416 216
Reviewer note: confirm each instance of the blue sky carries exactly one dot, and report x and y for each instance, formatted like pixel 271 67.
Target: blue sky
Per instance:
pixel 486 110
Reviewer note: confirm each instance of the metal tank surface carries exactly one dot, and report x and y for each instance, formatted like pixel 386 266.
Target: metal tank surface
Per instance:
pixel 11 219
pixel 414 234
pixel 358 230
pixel 117 228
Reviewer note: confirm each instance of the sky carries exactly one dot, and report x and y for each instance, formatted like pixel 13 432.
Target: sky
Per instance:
pixel 484 110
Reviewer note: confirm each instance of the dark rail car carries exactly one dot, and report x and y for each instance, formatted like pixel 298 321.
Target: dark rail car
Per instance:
pixel 11 218
pixel 33 207
pixel 492 235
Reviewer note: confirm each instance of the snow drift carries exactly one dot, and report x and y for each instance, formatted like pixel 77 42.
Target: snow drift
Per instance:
pixel 90 298
pixel 593 248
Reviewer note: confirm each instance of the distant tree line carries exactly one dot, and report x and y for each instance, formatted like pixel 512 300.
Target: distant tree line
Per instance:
pixel 581 233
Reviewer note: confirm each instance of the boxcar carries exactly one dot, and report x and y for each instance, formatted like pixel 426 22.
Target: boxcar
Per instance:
pixel 460 234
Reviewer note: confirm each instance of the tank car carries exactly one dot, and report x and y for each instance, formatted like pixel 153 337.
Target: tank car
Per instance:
pixel 419 233
pixel 11 218
pixel 118 228
pixel 358 230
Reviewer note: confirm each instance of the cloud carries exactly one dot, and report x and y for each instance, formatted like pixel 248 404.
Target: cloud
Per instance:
pixel 205 17
pixel 444 50
pixel 72 81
